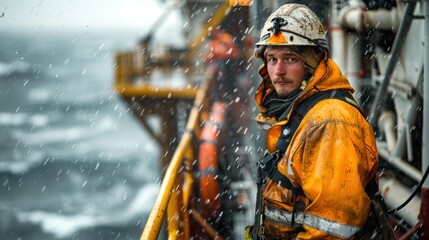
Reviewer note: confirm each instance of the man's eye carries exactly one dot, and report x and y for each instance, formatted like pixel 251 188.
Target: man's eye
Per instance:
pixel 272 59
pixel 291 59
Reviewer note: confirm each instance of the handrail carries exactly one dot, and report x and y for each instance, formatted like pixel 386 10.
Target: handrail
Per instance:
pixel 214 21
pixel 157 214
pixel 155 220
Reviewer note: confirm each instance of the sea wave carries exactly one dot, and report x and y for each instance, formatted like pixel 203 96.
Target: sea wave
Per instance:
pixel 18 119
pixel 53 135
pixel 14 67
pixel 62 226
pixel 19 162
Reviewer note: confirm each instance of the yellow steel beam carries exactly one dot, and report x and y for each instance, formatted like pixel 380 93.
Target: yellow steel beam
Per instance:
pixel 126 69
pixel 173 214
pixel 154 222
pixel 187 190
pixel 152 91
pixel 243 3
pixel 217 18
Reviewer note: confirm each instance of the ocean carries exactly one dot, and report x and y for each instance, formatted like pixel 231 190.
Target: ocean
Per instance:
pixel 74 163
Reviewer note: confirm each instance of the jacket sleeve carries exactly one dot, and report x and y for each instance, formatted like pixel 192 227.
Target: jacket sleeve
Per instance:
pixel 334 161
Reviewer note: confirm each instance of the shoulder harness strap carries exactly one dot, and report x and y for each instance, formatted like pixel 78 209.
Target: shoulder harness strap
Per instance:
pixel 269 162
pixel 302 109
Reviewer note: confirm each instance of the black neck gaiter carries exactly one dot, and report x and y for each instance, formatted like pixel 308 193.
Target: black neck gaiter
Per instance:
pixel 279 107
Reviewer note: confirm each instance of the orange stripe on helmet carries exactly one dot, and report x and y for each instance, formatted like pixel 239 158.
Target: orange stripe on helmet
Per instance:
pixel 277 39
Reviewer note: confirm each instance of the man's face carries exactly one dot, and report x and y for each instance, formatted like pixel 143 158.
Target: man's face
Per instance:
pixel 286 70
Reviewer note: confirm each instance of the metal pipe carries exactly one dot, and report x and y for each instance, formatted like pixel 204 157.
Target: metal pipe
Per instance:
pixel 409 141
pixel 354 63
pixel 402 165
pixel 410 120
pixel 393 58
pixel 395 194
pixel 360 19
pixel 395 157
pixel 338 54
pixel 387 122
pixel 383 19
pixel 348 51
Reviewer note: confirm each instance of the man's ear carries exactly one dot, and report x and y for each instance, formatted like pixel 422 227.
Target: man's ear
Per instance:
pixel 268 82
pixel 307 75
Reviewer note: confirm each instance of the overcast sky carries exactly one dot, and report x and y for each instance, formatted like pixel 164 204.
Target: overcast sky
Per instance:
pixel 81 14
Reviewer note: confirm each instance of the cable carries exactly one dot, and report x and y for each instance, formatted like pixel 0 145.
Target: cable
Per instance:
pixel 419 186
pixel 321 43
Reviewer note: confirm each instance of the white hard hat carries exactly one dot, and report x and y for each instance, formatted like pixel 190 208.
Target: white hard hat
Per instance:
pixel 292 25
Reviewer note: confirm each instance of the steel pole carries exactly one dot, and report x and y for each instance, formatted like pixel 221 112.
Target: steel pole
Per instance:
pixel 339 53
pixel 424 207
pixel 425 149
pixel 393 59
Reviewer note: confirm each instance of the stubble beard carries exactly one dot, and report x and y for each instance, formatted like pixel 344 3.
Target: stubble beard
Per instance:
pixel 285 90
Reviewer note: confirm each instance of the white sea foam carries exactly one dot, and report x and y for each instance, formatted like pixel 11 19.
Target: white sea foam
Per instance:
pixel 22 161
pixel 55 134
pixel 17 119
pixel 52 135
pixel 12 119
pixel 40 95
pixel 63 226
pixel 13 67
pixel 59 225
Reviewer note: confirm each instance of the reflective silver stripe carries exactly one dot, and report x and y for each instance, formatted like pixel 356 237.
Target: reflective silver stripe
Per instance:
pixel 310 220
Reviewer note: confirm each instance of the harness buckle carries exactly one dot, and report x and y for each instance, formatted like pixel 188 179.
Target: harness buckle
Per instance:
pixel 269 162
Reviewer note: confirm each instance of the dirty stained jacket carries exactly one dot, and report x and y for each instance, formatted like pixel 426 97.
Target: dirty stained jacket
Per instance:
pixel 332 156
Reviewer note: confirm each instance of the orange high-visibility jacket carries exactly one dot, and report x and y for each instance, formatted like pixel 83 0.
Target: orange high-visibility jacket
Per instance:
pixel 222 47
pixel 332 156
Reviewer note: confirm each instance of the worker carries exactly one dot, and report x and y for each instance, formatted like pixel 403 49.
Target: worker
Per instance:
pixel 223 52
pixel 221 46
pixel 321 152
pixel 232 85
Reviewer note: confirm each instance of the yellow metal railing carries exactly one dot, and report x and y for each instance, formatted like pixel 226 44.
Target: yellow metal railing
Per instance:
pixel 156 217
pixel 127 69
pixel 213 22
pixel 131 68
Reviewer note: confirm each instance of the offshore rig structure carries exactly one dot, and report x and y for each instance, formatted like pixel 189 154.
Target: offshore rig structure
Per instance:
pixel 207 141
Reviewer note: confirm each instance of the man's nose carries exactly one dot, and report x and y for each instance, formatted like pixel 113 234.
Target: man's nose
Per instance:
pixel 280 68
